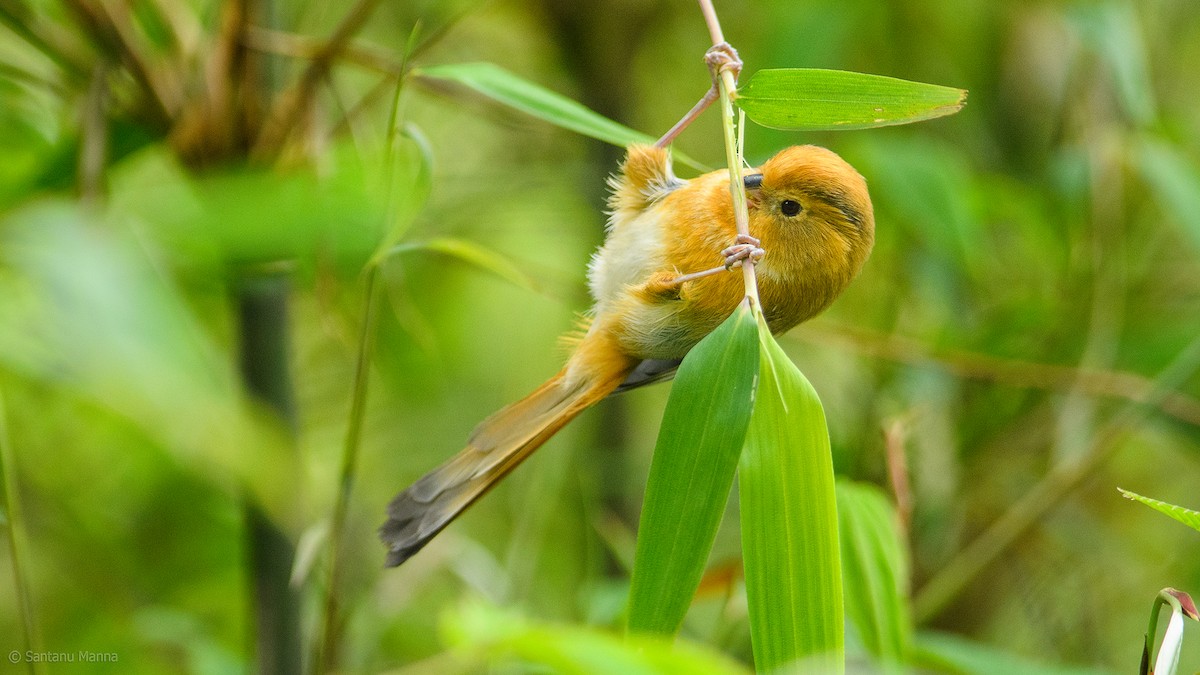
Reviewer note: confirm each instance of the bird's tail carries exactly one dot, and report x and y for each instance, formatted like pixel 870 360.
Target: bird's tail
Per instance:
pixel 495 448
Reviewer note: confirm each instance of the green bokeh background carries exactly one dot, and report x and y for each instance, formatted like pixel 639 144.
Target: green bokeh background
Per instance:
pixel 1036 266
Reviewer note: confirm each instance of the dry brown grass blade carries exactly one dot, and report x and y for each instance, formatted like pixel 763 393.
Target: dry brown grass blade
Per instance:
pixel 1025 513
pixel 306 47
pixel 1031 374
pixel 292 105
pixel 93 151
pixel 98 24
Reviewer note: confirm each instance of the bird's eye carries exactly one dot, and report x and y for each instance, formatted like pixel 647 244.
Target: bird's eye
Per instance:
pixel 790 207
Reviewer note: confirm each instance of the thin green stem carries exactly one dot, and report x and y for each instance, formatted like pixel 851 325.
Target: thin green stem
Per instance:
pixel 326 648
pixel 16 538
pixel 327 645
pixel 726 88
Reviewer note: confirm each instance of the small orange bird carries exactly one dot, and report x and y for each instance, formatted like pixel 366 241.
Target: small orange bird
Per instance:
pixel 655 298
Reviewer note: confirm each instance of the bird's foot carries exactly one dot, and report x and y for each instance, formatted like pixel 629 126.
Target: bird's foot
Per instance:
pixel 721 57
pixel 746 248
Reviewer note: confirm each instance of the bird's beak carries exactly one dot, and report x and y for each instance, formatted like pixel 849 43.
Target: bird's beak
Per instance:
pixel 752 182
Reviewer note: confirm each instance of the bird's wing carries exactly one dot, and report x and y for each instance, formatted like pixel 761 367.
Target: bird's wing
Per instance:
pixel 649 371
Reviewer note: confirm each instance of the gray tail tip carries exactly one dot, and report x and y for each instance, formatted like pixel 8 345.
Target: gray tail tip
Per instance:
pixel 401 544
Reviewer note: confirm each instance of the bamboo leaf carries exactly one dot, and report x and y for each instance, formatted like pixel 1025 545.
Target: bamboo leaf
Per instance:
pixel 790 523
pixel 875 563
pixel 813 99
pixel 703 428
pixel 506 88
pixel 1186 516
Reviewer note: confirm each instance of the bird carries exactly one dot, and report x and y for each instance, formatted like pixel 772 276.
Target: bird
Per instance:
pixel 656 294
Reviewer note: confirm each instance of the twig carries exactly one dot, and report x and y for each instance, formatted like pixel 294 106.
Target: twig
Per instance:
pixel 727 86
pixel 1048 493
pixel 1110 383
pixel 711 20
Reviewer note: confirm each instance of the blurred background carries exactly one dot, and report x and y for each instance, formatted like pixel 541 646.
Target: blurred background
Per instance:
pixel 1016 348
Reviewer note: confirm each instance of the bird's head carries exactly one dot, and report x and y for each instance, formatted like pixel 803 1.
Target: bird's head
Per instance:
pixel 809 198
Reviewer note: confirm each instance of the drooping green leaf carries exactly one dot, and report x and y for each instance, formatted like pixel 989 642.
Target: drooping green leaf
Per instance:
pixel 703 429
pixel 812 99
pixel 1175 181
pixel 506 88
pixel 1186 516
pixel 875 562
pixel 474 254
pixel 502 636
pixel 790 522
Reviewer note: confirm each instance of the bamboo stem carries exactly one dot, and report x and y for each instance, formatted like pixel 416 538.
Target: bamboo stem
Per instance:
pixel 263 311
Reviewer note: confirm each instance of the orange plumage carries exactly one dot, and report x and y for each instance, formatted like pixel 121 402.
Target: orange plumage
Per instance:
pixel 813 216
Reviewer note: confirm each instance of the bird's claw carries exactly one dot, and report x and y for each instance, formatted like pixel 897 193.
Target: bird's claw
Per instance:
pixel 721 57
pixel 746 248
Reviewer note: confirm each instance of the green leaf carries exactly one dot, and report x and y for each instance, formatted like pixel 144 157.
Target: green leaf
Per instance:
pixel 1186 516
pixel 474 254
pixel 502 636
pixel 703 428
pixel 253 216
pixel 875 563
pixel 506 88
pixel 812 99
pixel 1174 180
pixel 790 522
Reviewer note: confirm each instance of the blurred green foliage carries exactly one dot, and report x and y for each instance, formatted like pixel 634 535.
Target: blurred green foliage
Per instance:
pixel 1035 271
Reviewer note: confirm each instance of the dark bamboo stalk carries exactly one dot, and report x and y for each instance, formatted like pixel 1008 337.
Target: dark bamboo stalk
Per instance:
pixel 262 306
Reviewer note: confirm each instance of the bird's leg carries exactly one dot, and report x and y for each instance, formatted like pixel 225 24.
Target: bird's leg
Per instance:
pixel 745 248
pixel 720 57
